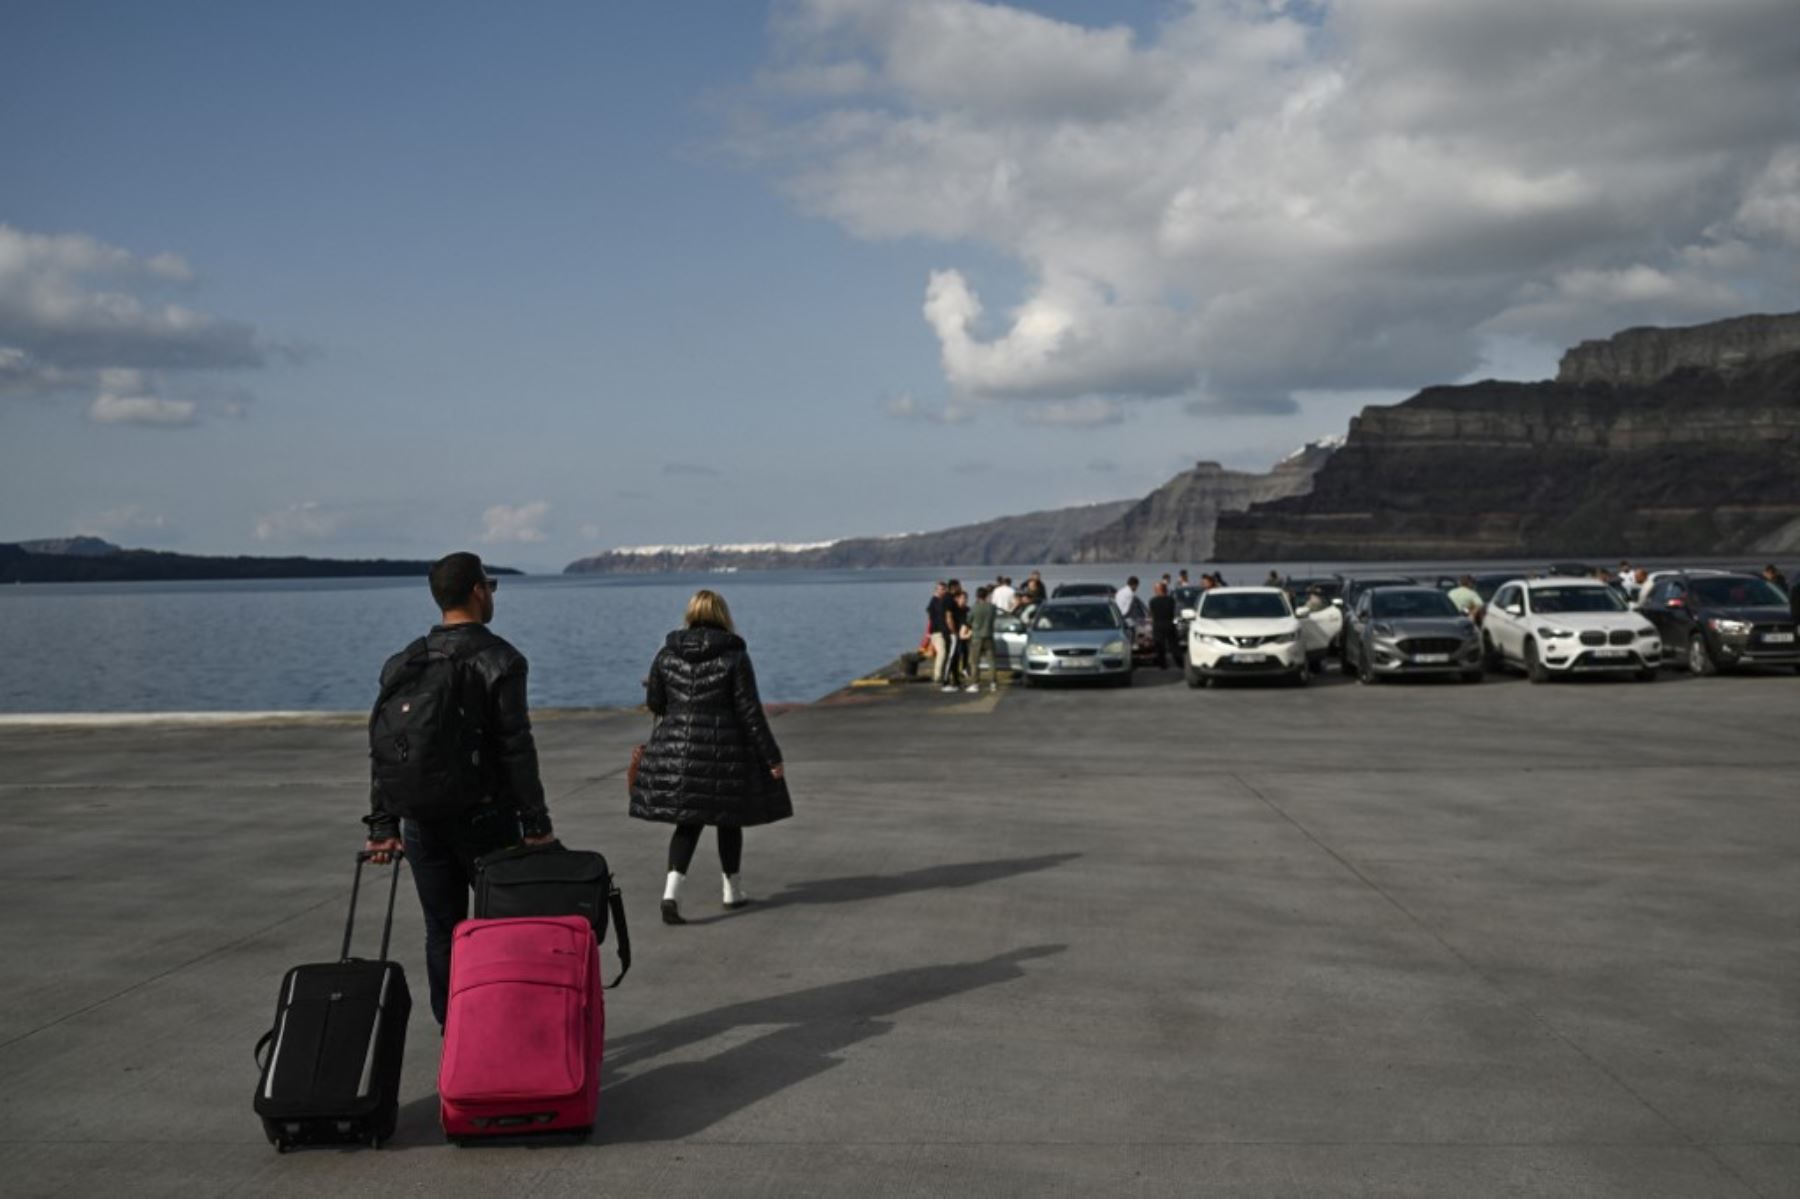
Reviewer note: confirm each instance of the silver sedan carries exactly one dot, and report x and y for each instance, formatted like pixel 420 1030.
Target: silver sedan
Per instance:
pixel 1077 639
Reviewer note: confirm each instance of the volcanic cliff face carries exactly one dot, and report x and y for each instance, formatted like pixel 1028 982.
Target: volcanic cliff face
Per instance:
pixel 1703 459
pixel 1645 355
pixel 1175 523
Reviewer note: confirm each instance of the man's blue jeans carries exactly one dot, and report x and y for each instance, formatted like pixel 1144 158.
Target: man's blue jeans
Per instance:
pixel 442 856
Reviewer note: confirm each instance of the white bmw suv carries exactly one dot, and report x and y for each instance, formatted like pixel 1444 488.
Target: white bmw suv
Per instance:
pixel 1552 627
pixel 1242 632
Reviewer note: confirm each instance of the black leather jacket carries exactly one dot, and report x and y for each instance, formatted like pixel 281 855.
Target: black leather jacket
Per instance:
pixel 510 753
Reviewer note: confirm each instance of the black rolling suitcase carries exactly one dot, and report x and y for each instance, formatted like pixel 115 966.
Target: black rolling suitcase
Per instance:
pixel 331 1075
pixel 551 880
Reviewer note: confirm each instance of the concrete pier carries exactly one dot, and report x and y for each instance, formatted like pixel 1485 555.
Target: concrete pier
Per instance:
pixel 1410 940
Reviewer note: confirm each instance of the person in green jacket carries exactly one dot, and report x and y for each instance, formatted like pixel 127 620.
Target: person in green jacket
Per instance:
pixel 981 641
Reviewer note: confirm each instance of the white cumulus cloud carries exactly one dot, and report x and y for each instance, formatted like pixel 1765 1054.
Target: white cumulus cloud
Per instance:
pixel 1258 197
pixel 76 315
pixel 504 523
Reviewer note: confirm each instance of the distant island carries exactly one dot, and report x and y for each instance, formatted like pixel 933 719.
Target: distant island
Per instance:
pixel 93 560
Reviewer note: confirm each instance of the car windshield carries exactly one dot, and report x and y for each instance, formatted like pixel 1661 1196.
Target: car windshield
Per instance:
pixel 1576 599
pixel 1068 590
pixel 1063 618
pixel 1736 592
pixel 1251 605
pixel 1397 605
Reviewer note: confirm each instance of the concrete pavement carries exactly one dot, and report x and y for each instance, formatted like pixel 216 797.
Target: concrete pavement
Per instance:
pixel 1408 940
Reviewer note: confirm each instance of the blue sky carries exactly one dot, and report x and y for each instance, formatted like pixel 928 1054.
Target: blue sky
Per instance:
pixel 549 278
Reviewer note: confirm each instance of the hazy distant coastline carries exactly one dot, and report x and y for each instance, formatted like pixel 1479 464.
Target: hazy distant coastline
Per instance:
pixel 92 560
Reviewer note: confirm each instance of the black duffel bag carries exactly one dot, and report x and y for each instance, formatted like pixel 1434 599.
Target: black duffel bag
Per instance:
pixel 550 880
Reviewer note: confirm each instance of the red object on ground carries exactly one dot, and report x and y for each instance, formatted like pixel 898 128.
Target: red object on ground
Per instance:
pixel 526 1028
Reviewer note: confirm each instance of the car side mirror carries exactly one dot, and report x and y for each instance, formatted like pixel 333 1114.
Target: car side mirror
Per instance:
pixel 1337 603
pixel 1514 609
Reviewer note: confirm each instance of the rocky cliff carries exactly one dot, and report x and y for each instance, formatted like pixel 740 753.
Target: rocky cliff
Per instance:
pixel 1642 356
pixel 1176 522
pixel 1047 536
pixel 1702 459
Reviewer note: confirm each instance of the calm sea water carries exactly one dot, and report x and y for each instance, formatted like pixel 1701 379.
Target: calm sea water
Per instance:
pixel 319 644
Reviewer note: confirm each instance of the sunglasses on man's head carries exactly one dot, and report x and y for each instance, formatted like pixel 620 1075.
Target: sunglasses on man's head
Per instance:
pixel 491 584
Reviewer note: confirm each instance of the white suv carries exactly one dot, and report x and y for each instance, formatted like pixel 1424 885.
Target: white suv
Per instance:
pixel 1568 626
pixel 1244 631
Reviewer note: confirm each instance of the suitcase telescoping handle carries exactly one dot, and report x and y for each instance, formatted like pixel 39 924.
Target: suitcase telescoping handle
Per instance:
pixel 387 927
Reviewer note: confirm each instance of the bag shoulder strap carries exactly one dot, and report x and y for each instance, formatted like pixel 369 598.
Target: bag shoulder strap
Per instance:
pixel 616 903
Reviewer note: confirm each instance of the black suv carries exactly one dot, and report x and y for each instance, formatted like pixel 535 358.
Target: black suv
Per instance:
pixel 1719 622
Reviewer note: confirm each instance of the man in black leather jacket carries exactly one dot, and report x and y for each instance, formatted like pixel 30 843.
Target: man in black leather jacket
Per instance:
pixel 442 852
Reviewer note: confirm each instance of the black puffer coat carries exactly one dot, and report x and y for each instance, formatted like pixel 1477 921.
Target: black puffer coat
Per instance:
pixel 708 760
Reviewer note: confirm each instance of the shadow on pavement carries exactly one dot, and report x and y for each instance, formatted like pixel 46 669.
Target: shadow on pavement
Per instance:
pixel 683 1098
pixel 854 888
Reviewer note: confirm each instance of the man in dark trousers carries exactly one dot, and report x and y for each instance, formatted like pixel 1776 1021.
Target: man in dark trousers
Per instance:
pixel 449 822
pixel 1162 627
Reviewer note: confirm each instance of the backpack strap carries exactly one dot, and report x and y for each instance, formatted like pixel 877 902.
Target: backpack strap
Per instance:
pixel 616 903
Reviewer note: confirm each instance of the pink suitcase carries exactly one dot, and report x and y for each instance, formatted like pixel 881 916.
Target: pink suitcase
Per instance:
pixel 526 1028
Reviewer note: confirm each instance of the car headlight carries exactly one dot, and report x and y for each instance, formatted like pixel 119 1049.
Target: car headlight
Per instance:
pixel 1037 651
pixel 1549 632
pixel 1280 638
pixel 1113 648
pixel 1729 626
pixel 1208 638
pixel 1384 630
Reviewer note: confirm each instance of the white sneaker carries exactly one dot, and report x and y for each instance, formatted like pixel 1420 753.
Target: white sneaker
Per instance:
pixel 948 687
pixel 735 896
pixel 972 688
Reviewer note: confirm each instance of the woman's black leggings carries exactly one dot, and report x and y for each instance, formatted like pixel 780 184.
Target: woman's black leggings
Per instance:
pixel 687 839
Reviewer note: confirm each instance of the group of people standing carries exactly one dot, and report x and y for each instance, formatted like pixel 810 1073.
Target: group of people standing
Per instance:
pixel 960 634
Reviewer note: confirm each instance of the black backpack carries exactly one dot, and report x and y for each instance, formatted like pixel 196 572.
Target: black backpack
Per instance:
pixel 425 737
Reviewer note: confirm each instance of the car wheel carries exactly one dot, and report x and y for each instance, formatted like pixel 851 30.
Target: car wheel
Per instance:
pixel 1302 676
pixel 1496 661
pixel 1125 679
pixel 1194 678
pixel 1473 676
pixel 1699 659
pixel 1534 666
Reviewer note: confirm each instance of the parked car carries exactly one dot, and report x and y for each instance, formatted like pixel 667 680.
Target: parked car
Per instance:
pixel 1299 586
pixel 1548 627
pixel 1353 589
pixel 1244 632
pixel 1657 576
pixel 1409 631
pixel 1077 638
pixel 1143 632
pixel 1714 622
pixel 1084 590
pixel 1486 583
pixel 1011 629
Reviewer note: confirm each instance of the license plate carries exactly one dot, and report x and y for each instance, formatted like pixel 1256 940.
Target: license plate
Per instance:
pixel 1078 664
pixel 1431 659
pixel 1249 657
pixel 1778 638
pixel 1612 653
